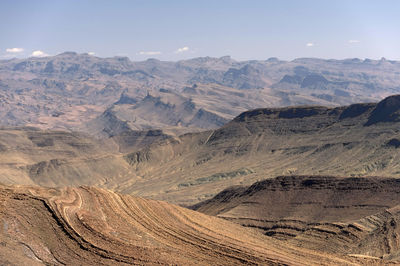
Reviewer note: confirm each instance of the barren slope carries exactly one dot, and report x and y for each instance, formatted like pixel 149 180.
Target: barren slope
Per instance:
pixel 341 215
pixel 57 158
pixel 94 226
pixel 355 140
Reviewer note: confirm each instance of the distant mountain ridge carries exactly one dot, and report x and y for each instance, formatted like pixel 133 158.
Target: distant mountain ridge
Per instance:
pixel 68 90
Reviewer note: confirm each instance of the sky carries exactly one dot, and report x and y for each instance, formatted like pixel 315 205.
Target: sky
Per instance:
pixel 175 30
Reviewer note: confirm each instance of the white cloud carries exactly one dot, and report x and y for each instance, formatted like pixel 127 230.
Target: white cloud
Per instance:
pixel 14 50
pixel 354 41
pixel 181 50
pixel 310 44
pixel 38 53
pixel 149 53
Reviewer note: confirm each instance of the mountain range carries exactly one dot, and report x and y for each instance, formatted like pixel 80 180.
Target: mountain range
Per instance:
pixel 106 161
pixel 69 90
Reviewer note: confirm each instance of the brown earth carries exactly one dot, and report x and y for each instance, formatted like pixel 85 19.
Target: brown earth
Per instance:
pixel 58 158
pixel 86 226
pixel 324 213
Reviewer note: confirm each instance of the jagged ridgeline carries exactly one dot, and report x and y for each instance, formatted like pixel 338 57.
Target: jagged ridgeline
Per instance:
pixel 71 91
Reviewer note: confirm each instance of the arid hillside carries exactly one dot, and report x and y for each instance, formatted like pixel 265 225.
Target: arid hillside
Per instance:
pixel 58 158
pixel 340 215
pixel 355 140
pixel 73 198
pixel 87 226
pixel 204 133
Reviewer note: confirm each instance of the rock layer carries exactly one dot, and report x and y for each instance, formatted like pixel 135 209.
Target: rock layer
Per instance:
pixel 86 226
pixel 338 215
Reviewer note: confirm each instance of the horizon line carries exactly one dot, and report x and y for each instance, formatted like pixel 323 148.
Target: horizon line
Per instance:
pixel 2 58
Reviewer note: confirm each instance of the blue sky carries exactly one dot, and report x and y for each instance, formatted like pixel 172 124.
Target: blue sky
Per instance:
pixel 174 30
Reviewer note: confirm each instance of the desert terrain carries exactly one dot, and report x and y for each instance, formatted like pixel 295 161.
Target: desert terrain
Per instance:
pixel 211 161
pixel 95 226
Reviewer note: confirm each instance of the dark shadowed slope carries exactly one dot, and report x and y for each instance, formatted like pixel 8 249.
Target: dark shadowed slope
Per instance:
pixel 340 215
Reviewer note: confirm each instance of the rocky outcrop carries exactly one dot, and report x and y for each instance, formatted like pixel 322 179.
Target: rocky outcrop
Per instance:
pixel 337 215
pixel 89 226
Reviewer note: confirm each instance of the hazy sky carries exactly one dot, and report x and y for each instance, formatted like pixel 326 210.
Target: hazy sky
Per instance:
pixel 173 30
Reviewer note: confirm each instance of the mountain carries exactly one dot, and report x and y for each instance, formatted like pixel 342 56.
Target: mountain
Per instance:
pixel 88 147
pixel 189 168
pixel 268 142
pixel 89 226
pixel 167 109
pixel 323 213
pixel 168 113
pixel 69 90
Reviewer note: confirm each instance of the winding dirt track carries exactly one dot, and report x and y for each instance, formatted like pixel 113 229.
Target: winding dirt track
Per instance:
pixel 81 226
